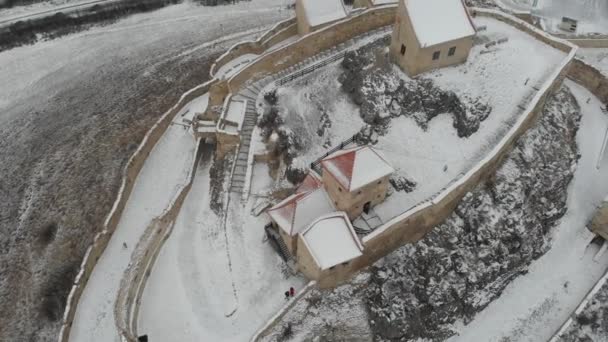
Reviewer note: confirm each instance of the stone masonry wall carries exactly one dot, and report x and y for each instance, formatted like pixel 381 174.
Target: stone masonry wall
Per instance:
pixel 130 173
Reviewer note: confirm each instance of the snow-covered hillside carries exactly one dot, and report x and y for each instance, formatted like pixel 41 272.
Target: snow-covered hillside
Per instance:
pixel 72 111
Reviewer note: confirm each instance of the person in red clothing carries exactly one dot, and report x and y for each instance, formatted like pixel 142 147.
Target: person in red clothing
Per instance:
pixel 292 291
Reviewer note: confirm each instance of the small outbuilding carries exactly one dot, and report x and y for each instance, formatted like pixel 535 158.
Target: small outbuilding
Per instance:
pixel 430 34
pixel 315 14
pixel 292 215
pixel 328 243
pixel 356 179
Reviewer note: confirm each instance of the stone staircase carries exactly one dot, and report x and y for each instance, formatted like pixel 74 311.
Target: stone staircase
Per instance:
pixel 239 177
pixel 278 243
pixel 251 92
pixel 366 223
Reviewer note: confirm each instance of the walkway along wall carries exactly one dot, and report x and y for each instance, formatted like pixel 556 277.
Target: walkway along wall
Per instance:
pixel 279 32
pixel 130 172
pixel 590 78
pixel 312 44
pixel 597 83
pixel 298 51
pixel 126 307
pixel 414 224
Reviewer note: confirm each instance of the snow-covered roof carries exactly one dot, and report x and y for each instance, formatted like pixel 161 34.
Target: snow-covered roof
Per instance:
pixel 319 12
pixel 295 212
pixel 332 240
pixel 439 21
pixel 356 167
pixel 310 183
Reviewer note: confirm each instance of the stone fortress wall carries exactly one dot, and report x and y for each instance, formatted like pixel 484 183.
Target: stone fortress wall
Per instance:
pixel 407 228
pixel 130 173
pixel 278 33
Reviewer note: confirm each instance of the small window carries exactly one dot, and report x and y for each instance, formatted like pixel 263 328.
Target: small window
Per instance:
pixel 359 192
pixel 378 196
pixel 336 203
pixel 345 263
pixel 331 268
pixel 340 189
pixel 402 49
pixel 452 51
pixel 380 182
pixel 436 55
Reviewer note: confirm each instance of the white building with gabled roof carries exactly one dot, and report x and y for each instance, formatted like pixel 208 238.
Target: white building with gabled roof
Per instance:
pixel 314 223
pixel 356 179
pixel 329 241
pixel 293 214
pixel 315 14
pixel 430 34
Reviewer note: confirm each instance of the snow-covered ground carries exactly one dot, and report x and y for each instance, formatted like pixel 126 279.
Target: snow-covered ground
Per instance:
pixel 229 69
pixel 592 15
pixel 42 8
pixel 80 105
pixel 516 5
pixel 72 56
pixel 535 305
pixel 170 160
pixel 213 282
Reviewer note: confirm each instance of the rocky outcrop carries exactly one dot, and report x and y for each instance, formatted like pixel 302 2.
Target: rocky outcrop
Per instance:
pixel 383 94
pixel 493 235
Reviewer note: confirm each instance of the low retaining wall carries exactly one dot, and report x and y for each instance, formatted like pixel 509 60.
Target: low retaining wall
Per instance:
pixel 592 43
pixel 128 300
pixel 580 308
pixel 279 315
pixel 279 32
pixel 599 223
pixel 591 78
pixel 130 172
pixel 414 224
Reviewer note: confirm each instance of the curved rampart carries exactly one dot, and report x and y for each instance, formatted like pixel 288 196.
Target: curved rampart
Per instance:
pixel 126 307
pixel 591 78
pixel 312 44
pixel 279 32
pixel 130 172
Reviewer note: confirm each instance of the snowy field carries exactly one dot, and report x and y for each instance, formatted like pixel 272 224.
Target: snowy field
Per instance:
pixel 16 12
pixel 213 282
pixel 170 160
pixel 534 306
pixel 79 105
pixel 592 15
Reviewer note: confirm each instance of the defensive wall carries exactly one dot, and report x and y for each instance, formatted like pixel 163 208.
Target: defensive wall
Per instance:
pixel 300 50
pixel 128 300
pixel 130 172
pixel 406 228
pixel 281 31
